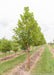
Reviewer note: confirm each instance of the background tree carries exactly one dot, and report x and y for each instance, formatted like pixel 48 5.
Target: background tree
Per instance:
pixel 27 31
pixel 42 39
pixel 15 47
pixel 9 45
pixel 5 45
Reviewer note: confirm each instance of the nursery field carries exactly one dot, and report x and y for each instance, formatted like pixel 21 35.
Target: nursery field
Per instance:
pixel 7 65
pixel 45 66
pixel 13 55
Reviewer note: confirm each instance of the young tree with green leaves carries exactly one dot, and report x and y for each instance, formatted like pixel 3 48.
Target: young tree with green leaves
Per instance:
pixel 27 31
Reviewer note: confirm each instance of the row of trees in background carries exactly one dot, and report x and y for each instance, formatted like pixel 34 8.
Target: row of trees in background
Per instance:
pixel 8 45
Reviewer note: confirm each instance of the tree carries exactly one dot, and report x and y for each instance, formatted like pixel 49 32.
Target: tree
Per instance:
pixel 15 47
pixel 9 45
pixel 26 32
pixel 42 39
pixel 5 45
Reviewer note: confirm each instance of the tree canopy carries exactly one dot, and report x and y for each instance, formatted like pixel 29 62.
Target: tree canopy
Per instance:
pixel 5 45
pixel 27 31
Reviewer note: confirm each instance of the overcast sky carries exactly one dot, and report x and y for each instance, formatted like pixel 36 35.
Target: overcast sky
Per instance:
pixel 10 11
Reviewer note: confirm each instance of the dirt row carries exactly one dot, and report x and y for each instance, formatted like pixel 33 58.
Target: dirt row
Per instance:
pixel 51 49
pixel 10 57
pixel 1 53
pixel 22 69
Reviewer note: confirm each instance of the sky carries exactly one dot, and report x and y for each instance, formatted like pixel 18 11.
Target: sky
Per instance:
pixel 43 11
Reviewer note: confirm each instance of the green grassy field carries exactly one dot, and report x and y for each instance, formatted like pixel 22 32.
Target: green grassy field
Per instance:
pixel 7 65
pixel 52 46
pixel 46 64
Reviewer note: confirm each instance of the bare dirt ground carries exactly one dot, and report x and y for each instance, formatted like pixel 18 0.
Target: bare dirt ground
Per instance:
pixel 22 69
pixel 51 49
pixel 1 53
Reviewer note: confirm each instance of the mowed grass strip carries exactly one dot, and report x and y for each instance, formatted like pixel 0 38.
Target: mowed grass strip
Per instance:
pixel 7 65
pixel 46 64
pixel 52 46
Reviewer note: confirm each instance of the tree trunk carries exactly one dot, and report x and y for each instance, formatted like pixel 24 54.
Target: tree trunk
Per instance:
pixel 9 52
pixel 5 54
pixel 15 52
pixel 28 65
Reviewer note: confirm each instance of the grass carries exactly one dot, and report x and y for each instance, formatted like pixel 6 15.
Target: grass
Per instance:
pixel 52 46
pixel 7 65
pixel 46 65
